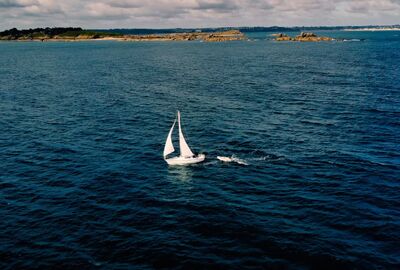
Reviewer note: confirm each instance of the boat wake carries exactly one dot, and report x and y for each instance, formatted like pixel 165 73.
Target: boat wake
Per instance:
pixel 352 40
pixel 253 158
pixel 233 159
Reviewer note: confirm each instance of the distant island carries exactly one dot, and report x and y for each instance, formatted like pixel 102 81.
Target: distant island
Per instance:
pixel 79 34
pixel 303 37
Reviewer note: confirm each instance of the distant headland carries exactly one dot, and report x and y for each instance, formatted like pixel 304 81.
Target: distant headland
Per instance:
pixel 79 34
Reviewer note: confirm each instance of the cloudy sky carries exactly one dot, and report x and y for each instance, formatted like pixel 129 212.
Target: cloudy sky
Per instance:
pixel 195 13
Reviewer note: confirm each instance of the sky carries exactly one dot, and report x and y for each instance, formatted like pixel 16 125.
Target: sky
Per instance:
pixel 98 14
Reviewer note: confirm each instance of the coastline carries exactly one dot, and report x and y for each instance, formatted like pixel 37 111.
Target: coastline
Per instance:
pixel 230 35
pixel 372 29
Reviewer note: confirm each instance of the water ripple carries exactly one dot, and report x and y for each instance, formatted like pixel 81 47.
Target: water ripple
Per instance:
pixel 83 183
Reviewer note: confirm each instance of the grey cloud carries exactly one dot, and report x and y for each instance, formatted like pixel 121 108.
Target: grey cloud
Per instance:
pixel 126 4
pixel 16 3
pixel 133 10
pixel 9 4
pixel 373 7
pixel 224 5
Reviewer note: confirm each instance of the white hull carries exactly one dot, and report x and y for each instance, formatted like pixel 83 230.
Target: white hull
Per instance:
pixel 185 161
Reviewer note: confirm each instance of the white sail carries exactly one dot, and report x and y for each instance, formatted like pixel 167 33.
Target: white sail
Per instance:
pixel 184 147
pixel 169 147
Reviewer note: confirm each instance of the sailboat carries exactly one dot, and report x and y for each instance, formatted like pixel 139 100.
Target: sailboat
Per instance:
pixel 186 156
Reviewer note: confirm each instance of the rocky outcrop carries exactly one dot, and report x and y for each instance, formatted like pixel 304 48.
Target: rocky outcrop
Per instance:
pixel 210 37
pixel 303 37
pixel 282 37
pixel 307 37
pixel 224 36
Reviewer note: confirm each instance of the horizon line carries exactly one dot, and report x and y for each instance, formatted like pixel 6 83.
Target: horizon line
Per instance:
pixel 216 27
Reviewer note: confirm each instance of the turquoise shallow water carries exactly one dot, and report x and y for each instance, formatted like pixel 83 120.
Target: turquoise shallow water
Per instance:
pixel 83 183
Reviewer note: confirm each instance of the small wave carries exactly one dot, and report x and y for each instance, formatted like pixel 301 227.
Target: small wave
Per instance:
pixel 261 158
pixel 317 123
pixel 213 162
pixel 259 155
pixel 376 110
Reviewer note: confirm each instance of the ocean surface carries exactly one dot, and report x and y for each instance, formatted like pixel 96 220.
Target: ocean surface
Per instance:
pixel 83 184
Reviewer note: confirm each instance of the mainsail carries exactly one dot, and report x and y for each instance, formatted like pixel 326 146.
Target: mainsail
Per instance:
pixel 184 147
pixel 169 147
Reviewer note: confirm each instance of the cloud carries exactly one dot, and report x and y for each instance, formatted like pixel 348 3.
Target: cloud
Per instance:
pixel 8 4
pixel 223 6
pixel 359 6
pixel 195 13
pixel 4 4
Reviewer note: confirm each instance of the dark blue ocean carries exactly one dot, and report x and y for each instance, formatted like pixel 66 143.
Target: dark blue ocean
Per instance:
pixel 83 184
